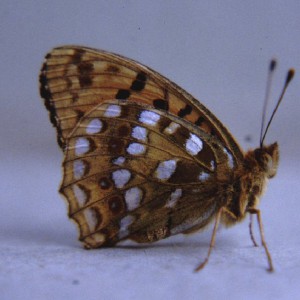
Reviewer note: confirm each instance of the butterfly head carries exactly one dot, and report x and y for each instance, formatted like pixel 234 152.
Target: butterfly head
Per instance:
pixel 267 158
pixel 260 164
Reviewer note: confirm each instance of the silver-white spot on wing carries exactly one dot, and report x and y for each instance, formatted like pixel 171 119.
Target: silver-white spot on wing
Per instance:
pixel 171 128
pixel 112 111
pixel 121 177
pixel 136 149
pixel 149 117
pixel 91 218
pixel 139 133
pixel 124 224
pixel 193 144
pixel 213 164
pixel 82 145
pixel 230 157
pixel 79 194
pixel 133 198
pixel 175 196
pixel 119 161
pixel 165 169
pixel 78 169
pixel 94 126
pixel 203 176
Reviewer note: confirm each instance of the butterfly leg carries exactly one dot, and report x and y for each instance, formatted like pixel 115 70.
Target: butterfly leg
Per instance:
pixel 212 241
pixel 251 230
pixel 255 211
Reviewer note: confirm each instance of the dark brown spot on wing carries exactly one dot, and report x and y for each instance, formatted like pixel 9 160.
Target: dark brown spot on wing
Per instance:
pixel 141 76
pixel 85 80
pixel 185 111
pixel 105 183
pixel 122 94
pixel 116 204
pixel 199 121
pixel 206 155
pixel 124 130
pixel 139 83
pixel 85 67
pixel 185 173
pixel 115 146
pixel 161 104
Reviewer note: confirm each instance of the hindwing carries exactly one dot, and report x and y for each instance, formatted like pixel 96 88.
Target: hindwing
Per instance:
pixel 133 171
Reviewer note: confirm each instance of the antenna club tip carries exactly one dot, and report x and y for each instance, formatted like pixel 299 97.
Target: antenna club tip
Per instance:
pixel 273 64
pixel 290 75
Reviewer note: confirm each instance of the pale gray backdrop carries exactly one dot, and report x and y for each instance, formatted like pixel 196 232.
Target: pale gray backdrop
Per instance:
pixel 218 51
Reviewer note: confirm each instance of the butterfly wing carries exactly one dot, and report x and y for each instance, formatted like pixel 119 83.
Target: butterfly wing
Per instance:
pixel 75 79
pixel 133 171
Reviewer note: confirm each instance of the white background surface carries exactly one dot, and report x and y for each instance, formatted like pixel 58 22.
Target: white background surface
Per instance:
pixel 219 52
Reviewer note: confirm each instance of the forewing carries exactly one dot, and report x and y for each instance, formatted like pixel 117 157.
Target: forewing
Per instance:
pixel 76 79
pixel 132 171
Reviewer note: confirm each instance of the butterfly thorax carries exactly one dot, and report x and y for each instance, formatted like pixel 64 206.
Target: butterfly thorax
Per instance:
pixel 250 182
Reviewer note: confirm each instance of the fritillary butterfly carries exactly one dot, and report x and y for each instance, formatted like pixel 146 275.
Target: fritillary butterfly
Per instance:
pixel 143 159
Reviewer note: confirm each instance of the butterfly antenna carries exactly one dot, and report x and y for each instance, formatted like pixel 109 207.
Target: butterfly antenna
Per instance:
pixel 272 67
pixel 289 77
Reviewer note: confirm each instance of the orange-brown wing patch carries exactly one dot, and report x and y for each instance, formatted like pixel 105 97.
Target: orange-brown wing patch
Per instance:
pixel 75 79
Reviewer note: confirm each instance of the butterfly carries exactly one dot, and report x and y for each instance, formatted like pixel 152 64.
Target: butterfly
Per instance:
pixel 143 159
